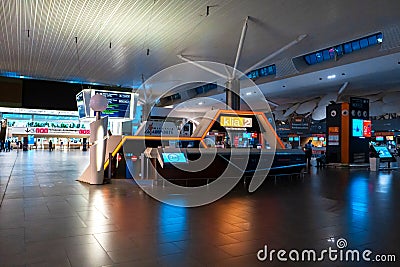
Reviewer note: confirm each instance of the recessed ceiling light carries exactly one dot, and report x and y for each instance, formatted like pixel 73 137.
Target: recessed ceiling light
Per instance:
pixel 200 103
pixel 248 93
pixel 333 76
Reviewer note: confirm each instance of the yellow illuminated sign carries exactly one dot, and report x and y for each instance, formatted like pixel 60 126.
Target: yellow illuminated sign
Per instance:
pixel 235 121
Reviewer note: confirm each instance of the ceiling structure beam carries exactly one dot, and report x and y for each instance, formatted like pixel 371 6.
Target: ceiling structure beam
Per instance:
pixel 262 61
pixel 240 47
pixel 197 64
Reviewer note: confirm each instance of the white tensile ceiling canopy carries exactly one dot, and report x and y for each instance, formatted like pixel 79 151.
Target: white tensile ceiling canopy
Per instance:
pixel 116 42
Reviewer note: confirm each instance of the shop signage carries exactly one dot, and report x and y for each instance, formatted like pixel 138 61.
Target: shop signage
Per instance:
pixel 50 131
pixel 299 123
pixel 157 128
pixel 236 121
pixel 42 130
pixel 84 131
pixel 333 136
pixel 383 133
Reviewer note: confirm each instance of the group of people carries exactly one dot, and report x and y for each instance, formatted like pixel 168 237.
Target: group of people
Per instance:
pixel 321 160
pixel 5 146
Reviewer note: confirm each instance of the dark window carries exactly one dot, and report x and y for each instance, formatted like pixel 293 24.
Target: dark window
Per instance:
pixel 342 49
pixel 262 72
pixel 355 45
pixel 372 40
pixel 327 55
pixel 339 50
pixel 364 43
pixel 313 59
pixel 347 48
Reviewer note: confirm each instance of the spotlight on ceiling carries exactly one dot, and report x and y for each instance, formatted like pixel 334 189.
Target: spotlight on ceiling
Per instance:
pixel 333 76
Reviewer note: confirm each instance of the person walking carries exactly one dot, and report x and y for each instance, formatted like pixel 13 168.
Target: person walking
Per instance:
pixel 8 146
pixel 50 145
pixel 308 151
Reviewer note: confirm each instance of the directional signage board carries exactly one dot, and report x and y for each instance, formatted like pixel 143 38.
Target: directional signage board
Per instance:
pixel 119 104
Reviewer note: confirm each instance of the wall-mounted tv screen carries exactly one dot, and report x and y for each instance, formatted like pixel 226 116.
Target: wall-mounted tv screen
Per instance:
pixel 390 138
pixel 296 138
pixel 321 139
pixel 119 104
pixel 357 128
pixel 379 138
pixel 315 138
pixel 290 139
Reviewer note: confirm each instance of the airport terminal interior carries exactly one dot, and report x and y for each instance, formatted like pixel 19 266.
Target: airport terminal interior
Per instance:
pixel 199 133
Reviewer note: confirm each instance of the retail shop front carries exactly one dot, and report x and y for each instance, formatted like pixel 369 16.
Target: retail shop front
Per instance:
pixel 61 138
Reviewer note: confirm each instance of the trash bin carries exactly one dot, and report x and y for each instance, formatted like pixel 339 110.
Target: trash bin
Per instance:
pixel 374 164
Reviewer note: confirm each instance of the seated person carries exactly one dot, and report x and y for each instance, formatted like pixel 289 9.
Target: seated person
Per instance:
pixel 321 160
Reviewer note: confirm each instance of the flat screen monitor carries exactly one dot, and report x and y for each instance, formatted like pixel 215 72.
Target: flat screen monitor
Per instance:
pixel 383 152
pixel 247 135
pixel 390 138
pixel 379 138
pixel 315 138
pixel 357 130
pixel 290 139
pixel 119 104
pixel 321 139
pixel 296 138
pixel 178 157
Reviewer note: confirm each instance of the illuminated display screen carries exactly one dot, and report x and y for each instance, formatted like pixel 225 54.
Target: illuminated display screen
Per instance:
pixel 290 139
pixel 315 138
pixel 390 138
pixel 118 104
pixel 174 157
pixel 379 138
pixel 357 127
pixel 81 105
pixel 296 139
pixel 367 125
pixel 247 135
pixel 383 152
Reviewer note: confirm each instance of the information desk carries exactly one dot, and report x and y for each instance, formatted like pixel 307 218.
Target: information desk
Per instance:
pixel 196 159
pixel 177 170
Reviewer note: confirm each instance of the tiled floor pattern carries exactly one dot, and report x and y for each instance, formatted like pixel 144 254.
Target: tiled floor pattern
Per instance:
pixel 47 218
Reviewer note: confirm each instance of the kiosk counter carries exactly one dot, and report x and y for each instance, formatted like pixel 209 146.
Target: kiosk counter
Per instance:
pixel 243 140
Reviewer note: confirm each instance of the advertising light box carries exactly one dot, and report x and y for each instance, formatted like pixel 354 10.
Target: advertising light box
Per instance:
pixel 358 126
pixel 367 128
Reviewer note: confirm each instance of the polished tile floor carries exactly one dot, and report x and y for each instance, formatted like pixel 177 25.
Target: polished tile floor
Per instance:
pixel 47 218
